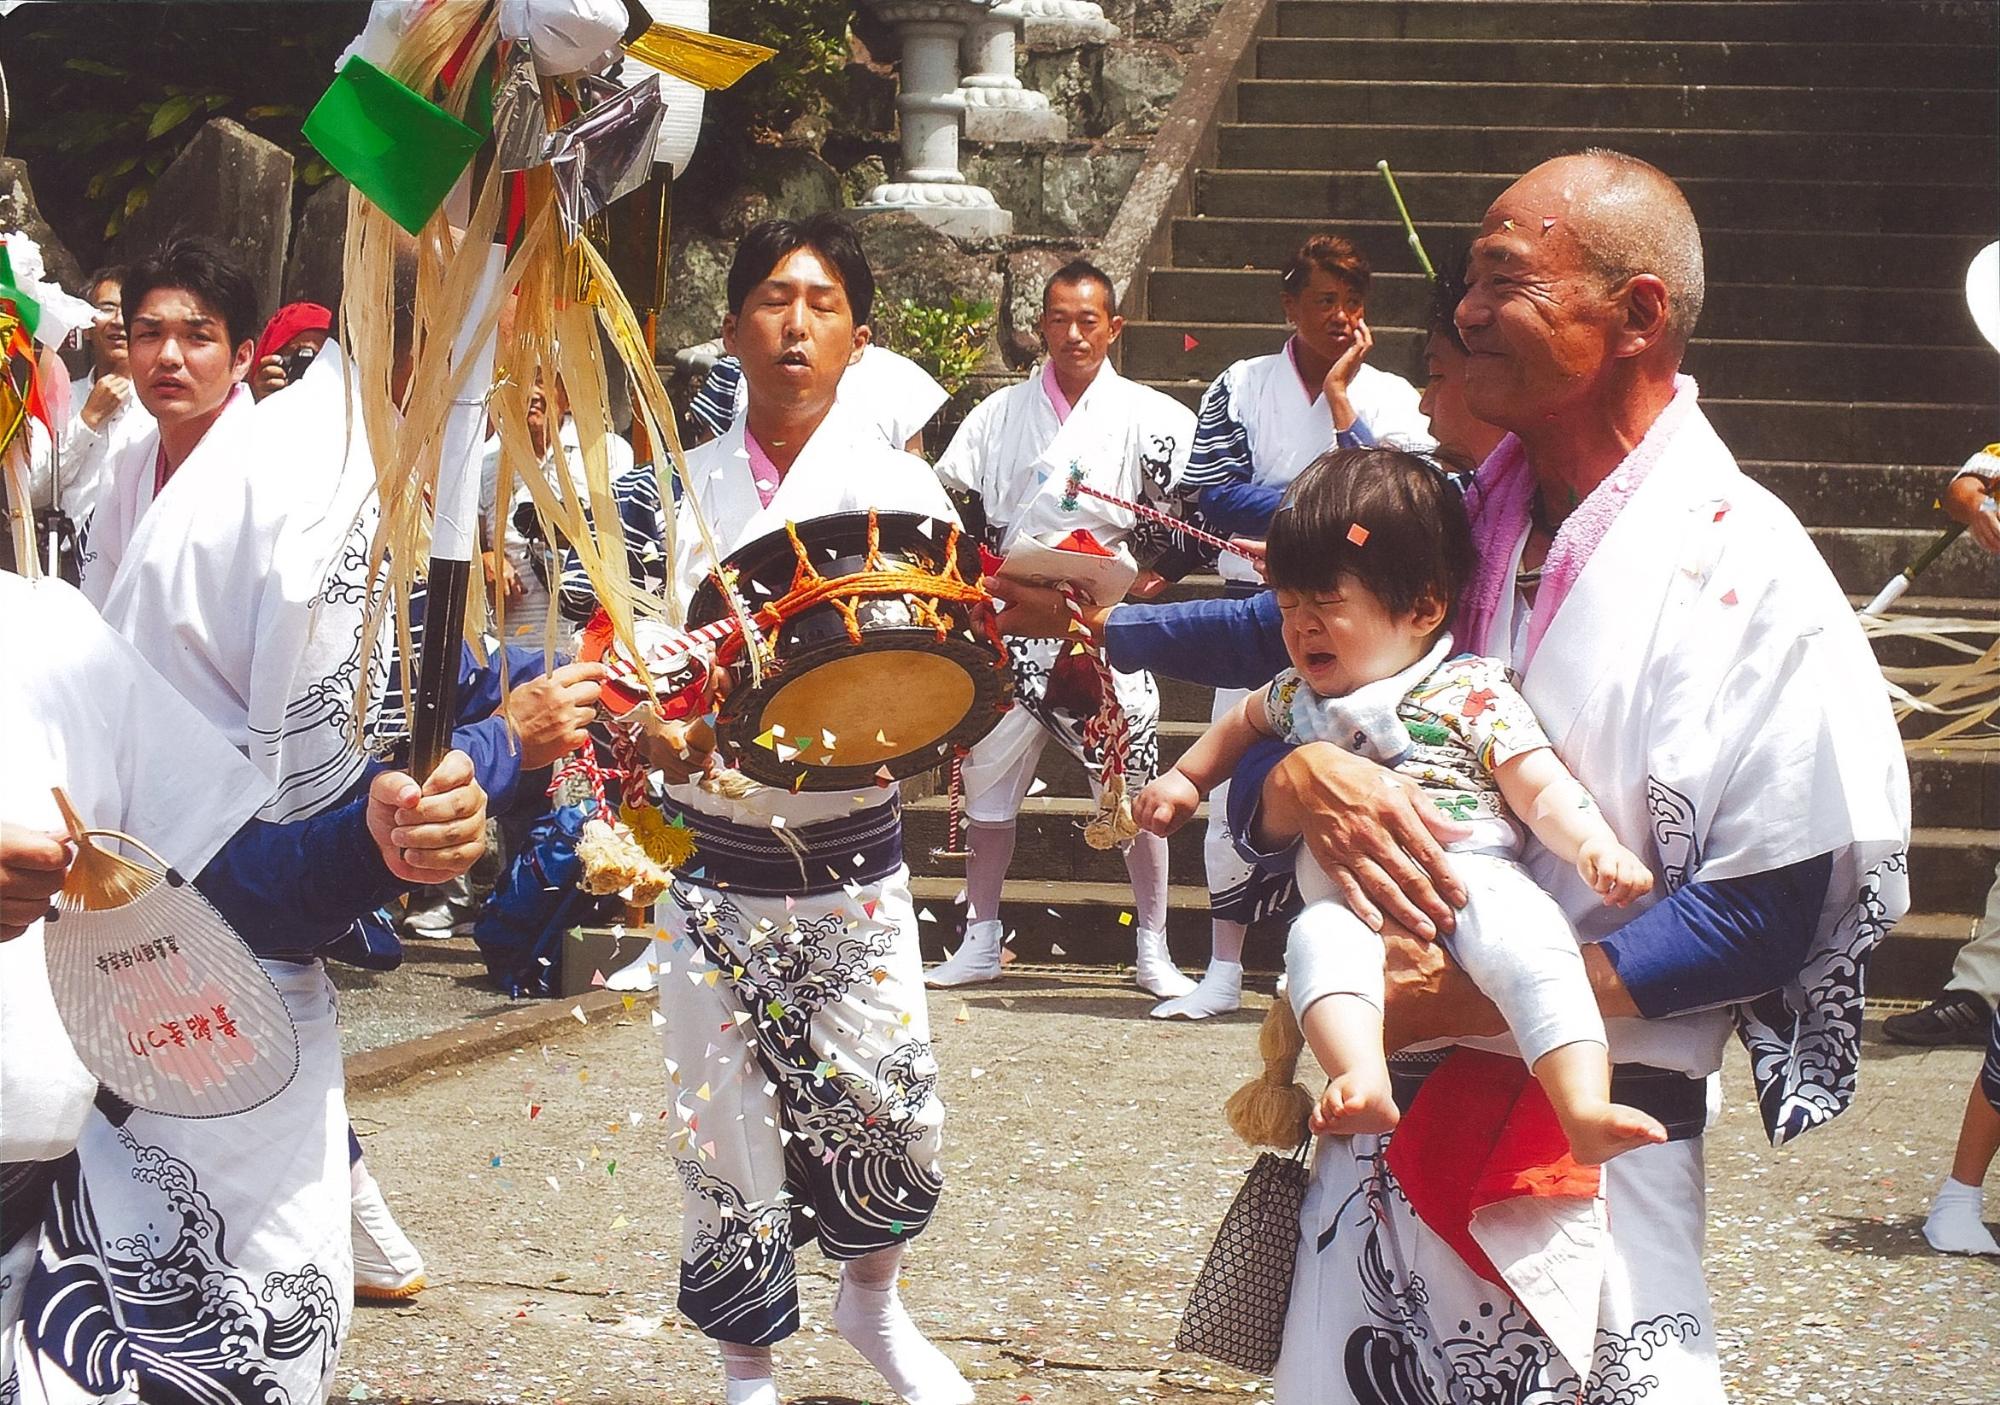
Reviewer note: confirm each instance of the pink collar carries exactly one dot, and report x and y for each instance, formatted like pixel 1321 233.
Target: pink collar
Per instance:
pixel 1500 501
pixel 1313 389
pixel 763 473
pixel 1053 390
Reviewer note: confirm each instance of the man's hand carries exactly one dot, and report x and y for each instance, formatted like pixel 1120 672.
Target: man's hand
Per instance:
pixel 682 751
pixel 1043 612
pixel 552 714
pixel 430 833
pixel 268 376
pixel 32 865
pixel 106 396
pixel 1373 832
pixel 1166 803
pixel 1148 585
pixel 1429 996
pixel 1340 375
pixel 1255 551
pixel 1967 499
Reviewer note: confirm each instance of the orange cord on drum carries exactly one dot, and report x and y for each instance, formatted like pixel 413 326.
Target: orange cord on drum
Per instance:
pixel 809 589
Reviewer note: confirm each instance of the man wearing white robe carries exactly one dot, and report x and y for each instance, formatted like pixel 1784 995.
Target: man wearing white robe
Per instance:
pixel 191 321
pixel 1015 453
pixel 798 1049
pixel 1261 422
pixel 1698 668
pixel 106 418
pixel 892 392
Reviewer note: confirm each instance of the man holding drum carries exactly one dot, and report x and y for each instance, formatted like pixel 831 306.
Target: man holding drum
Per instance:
pixel 798 1048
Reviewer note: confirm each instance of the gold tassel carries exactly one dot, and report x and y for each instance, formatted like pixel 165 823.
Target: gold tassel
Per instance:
pixel 1272 1109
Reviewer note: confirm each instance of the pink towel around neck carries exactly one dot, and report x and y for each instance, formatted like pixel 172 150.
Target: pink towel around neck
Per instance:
pixel 1501 501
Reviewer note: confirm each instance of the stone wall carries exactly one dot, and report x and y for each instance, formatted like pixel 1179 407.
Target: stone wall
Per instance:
pixel 1112 93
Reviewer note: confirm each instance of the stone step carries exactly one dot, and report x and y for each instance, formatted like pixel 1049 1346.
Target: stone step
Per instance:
pixel 1787 370
pixel 1609 106
pixel 1950 868
pixel 1813 257
pixel 1744 311
pixel 1519 59
pixel 1827 495
pixel 1859 432
pixel 1864 558
pixel 1079 922
pixel 1857 21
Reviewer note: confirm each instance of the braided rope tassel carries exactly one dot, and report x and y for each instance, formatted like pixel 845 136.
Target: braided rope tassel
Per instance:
pixel 1113 826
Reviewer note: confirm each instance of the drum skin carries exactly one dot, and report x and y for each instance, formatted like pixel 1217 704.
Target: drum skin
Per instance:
pixel 831 714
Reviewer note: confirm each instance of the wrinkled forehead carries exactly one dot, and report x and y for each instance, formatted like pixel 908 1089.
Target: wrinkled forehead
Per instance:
pixel 1531 224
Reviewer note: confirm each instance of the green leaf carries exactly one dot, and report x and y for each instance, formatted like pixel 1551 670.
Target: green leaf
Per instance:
pixel 94 68
pixel 272 109
pixel 136 198
pixel 215 100
pixel 169 115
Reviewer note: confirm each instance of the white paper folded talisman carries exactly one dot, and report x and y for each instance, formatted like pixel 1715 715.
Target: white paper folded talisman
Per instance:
pixel 165 1004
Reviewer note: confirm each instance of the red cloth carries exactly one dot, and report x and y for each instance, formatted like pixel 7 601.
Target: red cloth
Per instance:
pixel 288 322
pixel 1481 1131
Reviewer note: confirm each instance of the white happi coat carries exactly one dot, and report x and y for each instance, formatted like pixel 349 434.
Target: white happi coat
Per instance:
pixel 885 389
pixel 1706 681
pixel 1287 426
pixel 1130 440
pixel 118 526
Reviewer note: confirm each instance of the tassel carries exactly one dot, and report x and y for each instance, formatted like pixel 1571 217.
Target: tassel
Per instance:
pixel 613 862
pixel 1272 1109
pixel 1112 826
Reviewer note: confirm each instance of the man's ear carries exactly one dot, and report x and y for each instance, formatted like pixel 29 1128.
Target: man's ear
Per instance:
pixel 863 336
pixel 1117 327
pixel 1646 311
pixel 245 358
pixel 729 333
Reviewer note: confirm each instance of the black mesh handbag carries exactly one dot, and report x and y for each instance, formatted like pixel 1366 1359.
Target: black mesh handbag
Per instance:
pixel 1236 1309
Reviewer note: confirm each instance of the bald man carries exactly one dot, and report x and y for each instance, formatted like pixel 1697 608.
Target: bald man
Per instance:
pixel 1701 672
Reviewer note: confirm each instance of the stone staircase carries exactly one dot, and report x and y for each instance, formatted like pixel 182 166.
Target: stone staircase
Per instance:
pixel 1842 159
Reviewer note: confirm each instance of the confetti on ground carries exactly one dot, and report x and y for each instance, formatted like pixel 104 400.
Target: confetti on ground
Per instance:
pixel 581 1018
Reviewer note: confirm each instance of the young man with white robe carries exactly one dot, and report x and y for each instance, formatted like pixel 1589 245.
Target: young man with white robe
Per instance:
pixel 1015 453
pixel 1261 422
pixel 151 1257
pixel 1701 672
pixel 798 1048
pixel 106 417
pixel 191 322
pixel 890 391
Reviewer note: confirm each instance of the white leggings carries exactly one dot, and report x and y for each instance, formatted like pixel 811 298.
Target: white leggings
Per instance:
pixel 1512 940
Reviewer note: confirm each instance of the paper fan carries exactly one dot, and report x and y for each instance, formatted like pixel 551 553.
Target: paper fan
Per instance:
pixel 164 1003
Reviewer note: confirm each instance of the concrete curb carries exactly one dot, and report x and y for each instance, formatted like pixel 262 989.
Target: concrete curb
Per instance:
pixel 377 1069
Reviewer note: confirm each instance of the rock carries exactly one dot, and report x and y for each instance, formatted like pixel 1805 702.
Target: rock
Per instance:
pixel 860 178
pixel 912 260
pixel 1068 78
pixel 229 185
pixel 313 266
pixel 1027 273
pixel 781 183
pixel 1136 84
pixel 18 211
pixel 1081 193
pixel 697 292
pixel 1181 23
pixel 1015 178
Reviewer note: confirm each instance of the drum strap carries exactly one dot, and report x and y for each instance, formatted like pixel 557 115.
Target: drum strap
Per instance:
pixel 863 848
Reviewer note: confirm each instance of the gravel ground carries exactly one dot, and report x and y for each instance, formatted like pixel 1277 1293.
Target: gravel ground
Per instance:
pixel 1087 1166
pixel 440 985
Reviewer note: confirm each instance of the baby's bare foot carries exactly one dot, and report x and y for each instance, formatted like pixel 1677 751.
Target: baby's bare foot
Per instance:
pixel 1610 1129
pixel 1356 1105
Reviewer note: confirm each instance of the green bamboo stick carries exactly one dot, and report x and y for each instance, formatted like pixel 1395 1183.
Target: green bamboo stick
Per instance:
pixel 1409 228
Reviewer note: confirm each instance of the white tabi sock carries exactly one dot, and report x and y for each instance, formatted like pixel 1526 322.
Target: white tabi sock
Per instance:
pixel 1154 968
pixel 875 1323
pixel 746 1375
pixel 976 961
pixel 1956 1224
pixel 1220 991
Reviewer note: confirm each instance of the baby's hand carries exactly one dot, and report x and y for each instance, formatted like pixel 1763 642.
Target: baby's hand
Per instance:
pixel 1614 871
pixel 1166 804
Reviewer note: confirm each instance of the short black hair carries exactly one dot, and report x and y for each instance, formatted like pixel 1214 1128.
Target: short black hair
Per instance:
pixel 1391 519
pixel 1082 271
pixel 765 245
pixel 110 273
pixel 1447 292
pixel 206 269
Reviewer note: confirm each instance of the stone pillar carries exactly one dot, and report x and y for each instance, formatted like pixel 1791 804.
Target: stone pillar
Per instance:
pixel 931 186
pixel 1065 24
pixel 997 106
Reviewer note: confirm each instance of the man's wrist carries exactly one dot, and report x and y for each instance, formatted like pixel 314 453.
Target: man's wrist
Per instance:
pixel 1613 999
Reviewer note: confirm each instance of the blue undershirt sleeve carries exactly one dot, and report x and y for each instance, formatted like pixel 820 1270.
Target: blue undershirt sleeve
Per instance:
pixel 1246 796
pixel 295 887
pixel 1239 509
pixel 1232 642
pixel 1721 940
